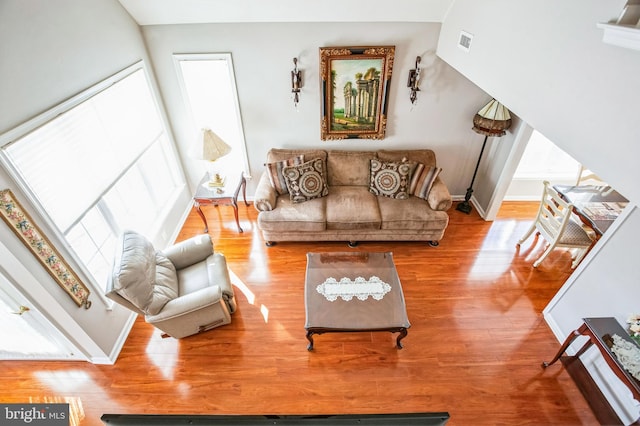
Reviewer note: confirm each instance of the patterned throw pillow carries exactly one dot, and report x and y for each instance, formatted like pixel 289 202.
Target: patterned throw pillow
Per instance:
pixel 390 179
pixel 274 170
pixel 306 181
pixel 422 180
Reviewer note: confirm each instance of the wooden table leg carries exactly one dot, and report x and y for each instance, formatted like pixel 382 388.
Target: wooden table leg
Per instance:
pixel 235 212
pixel 234 201
pixel 575 334
pixel 310 339
pixel 244 191
pixel 204 219
pixel 402 335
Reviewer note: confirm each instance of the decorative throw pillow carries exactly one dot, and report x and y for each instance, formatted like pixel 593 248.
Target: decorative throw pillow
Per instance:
pixel 274 171
pixel 390 179
pixel 306 181
pixel 422 180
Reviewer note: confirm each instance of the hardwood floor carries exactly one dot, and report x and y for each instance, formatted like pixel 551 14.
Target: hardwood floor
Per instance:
pixel 474 348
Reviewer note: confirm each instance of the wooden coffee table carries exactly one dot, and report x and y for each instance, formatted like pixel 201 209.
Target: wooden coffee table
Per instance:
pixel 353 292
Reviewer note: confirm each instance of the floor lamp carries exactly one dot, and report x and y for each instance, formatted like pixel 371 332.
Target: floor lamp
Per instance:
pixel 492 120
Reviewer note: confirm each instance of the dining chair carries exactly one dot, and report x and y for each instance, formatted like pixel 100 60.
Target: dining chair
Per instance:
pixel 587 177
pixel 555 223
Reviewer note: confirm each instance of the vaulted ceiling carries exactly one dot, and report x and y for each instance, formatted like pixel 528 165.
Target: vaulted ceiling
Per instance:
pixel 162 12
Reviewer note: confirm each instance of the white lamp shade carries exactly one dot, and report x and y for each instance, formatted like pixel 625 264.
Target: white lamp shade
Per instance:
pixel 212 147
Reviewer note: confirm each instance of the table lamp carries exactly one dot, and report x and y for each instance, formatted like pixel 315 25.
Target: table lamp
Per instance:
pixel 213 148
pixel 492 120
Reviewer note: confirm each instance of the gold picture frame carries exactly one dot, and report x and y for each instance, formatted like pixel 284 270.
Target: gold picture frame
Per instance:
pixel 32 237
pixel 355 91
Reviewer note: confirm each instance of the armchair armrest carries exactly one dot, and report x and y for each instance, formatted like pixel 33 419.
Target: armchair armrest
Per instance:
pixel 439 197
pixel 265 196
pixel 219 275
pixel 190 251
pixel 188 303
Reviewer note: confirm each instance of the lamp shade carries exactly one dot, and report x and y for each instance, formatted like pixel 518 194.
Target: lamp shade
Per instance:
pixel 212 147
pixel 492 120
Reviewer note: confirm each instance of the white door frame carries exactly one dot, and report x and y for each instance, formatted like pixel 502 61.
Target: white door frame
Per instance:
pixel 519 144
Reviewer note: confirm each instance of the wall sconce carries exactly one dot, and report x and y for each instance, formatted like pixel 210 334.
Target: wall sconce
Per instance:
pixel 296 82
pixel 414 81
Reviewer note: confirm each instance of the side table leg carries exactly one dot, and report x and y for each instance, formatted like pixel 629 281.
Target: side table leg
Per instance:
pixel 204 219
pixel 565 345
pixel 235 212
pixel 244 191
pixel 234 200
pixel 402 335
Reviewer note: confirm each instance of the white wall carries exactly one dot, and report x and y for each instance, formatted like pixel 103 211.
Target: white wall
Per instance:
pixel 606 287
pixel 263 58
pixel 545 60
pixel 547 63
pixel 49 52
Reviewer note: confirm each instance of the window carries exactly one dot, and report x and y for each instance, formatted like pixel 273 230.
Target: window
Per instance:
pixel 209 90
pixel 543 159
pixel 100 164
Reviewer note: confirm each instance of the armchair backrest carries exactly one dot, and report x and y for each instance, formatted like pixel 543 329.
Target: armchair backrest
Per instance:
pixel 142 279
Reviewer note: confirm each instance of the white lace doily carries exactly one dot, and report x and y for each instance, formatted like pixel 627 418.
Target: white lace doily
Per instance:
pixel 628 354
pixel 346 289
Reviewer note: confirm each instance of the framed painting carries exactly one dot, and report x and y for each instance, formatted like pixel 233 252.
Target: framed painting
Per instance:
pixel 31 236
pixel 355 91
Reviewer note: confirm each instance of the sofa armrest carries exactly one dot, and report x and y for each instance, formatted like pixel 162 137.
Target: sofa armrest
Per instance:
pixel 265 196
pixel 439 197
pixel 188 303
pixel 190 251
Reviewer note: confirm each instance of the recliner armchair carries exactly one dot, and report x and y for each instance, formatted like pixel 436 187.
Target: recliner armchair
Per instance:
pixel 182 290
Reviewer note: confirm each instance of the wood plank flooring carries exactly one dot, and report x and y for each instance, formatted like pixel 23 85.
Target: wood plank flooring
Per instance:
pixel 474 348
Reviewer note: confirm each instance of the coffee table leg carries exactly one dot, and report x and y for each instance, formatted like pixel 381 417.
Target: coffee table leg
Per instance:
pixel 310 339
pixel 402 335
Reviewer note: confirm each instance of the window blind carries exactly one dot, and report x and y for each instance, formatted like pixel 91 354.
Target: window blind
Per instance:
pixel 80 153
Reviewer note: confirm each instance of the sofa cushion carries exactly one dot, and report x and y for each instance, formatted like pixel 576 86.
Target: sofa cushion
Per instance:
pixel 411 214
pixel 422 180
pixel 194 277
pixel 306 181
pixel 390 179
pixel 348 167
pixel 290 216
pixel 424 156
pixel 352 207
pixel 274 171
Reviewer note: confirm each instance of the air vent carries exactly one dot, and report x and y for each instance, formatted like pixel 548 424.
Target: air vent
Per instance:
pixel 464 42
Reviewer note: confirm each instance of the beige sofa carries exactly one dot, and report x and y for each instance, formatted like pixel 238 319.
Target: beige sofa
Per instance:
pixel 350 212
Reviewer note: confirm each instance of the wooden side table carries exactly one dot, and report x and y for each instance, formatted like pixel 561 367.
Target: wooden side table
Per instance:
pixel 224 196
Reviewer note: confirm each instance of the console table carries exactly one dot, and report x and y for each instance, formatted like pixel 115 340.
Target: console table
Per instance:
pixel 600 332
